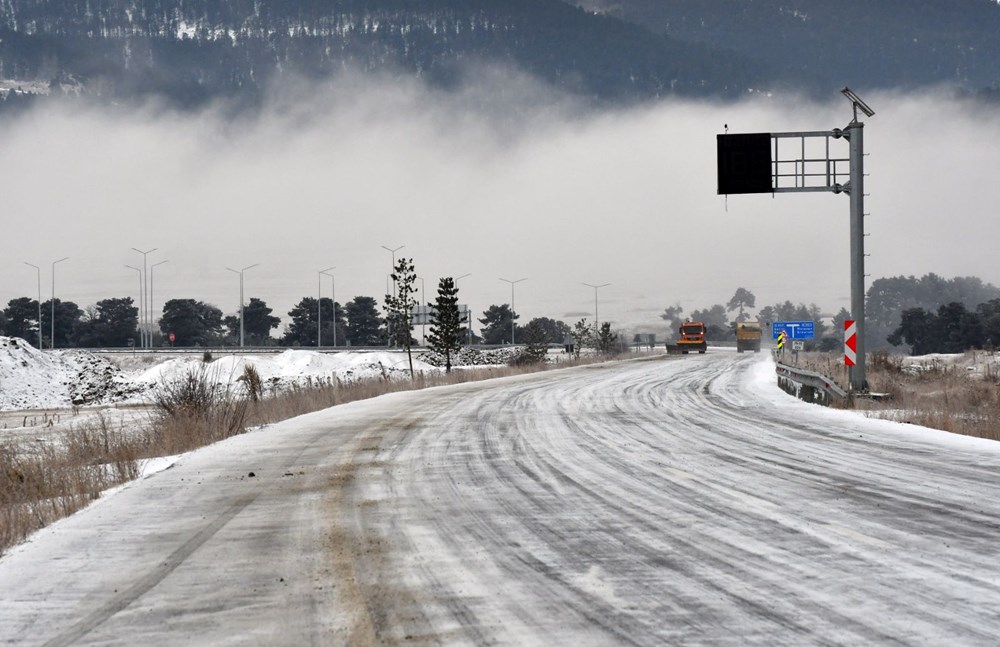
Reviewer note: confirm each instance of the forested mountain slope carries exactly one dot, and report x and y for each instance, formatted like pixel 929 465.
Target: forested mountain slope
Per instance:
pixel 193 50
pixel 820 44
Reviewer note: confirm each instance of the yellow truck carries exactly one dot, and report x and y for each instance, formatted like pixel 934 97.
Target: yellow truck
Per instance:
pixel 748 336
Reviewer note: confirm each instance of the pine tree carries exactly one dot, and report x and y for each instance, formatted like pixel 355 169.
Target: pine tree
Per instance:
pixel 583 335
pixel 399 306
pixel 447 331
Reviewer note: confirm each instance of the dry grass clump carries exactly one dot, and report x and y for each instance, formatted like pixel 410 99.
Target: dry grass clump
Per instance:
pixel 937 394
pixel 198 409
pixel 41 482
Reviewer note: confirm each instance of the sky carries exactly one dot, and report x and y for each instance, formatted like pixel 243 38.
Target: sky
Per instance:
pixel 498 180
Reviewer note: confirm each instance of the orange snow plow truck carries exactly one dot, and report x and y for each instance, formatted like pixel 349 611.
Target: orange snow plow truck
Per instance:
pixel 692 339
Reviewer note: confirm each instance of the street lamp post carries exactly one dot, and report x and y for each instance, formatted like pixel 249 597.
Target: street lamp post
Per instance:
pixel 143 305
pixel 512 284
pixel 240 272
pixel 333 297
pixel 139 272
pixel 388 321
pixel 468 316
pixel 602 285
pixel 151 308
pixel 38 271
pixel 52 339
pixel 423 304
pixel 319 308
pixel 393 252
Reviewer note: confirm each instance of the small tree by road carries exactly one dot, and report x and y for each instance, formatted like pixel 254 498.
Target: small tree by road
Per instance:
pixel 606 340
pixel 583 335
pixel 399 306
pixel 447 331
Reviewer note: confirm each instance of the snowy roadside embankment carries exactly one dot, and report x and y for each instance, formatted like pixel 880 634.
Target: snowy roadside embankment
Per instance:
pixel 32 379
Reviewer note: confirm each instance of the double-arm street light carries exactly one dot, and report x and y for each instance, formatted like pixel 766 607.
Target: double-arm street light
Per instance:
pixel 602 285
pixel 388 322
pixel 393 252
pixel 52 340
pixel 143 299
pixel 38 271
pixel 319 309
pixel 512 284
pixel 240 272
pixel 142 339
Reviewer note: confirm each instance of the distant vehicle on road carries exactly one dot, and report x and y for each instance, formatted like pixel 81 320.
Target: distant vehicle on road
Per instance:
pixel 692 338
pixel 748 336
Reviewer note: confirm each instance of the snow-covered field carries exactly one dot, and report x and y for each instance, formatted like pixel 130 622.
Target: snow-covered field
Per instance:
pixel 35 381
pixel 45 393
pixel 32 379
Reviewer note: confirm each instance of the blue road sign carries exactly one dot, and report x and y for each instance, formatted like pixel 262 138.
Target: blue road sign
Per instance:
pixel 794 329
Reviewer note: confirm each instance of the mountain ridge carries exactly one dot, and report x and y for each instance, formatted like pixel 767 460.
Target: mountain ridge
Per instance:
pixel 195 50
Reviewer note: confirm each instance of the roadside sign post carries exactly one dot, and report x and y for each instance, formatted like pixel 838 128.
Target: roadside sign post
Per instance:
pixel 850 345
pixel 794 329
pixel 753 163
pixel 797 345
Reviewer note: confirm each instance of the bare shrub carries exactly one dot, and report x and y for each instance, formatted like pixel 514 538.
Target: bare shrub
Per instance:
pixel 931 394
pixel 196 409
pixel 41 482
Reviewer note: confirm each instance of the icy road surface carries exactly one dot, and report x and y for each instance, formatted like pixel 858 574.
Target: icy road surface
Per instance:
pixel 676 501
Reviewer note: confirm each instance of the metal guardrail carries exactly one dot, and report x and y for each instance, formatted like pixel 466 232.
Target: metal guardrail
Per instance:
pixel 808 385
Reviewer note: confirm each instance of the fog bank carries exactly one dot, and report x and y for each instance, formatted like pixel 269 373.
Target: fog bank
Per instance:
pixel 499 180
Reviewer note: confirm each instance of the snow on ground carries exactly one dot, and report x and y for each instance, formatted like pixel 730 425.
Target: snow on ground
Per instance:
pixel 764 386
pixel 845 541
pixel 977 364
pixel 32 380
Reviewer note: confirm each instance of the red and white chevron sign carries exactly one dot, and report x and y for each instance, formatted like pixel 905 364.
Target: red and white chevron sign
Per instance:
pixel 850 342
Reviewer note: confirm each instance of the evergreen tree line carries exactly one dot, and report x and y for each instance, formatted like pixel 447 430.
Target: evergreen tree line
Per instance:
pixel 930 314
pixel 114 323
pixel 898 310
pixel 953 329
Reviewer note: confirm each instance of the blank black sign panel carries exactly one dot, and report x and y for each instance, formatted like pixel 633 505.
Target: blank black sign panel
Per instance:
pixel 744 163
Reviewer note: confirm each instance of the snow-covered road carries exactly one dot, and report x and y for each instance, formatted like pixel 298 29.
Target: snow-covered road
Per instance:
pixel 681 500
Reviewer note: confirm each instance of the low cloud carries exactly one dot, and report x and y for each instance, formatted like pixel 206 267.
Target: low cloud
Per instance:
pixel 497 179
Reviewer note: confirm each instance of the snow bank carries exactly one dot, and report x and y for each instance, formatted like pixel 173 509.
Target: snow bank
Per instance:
pixel 31 379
